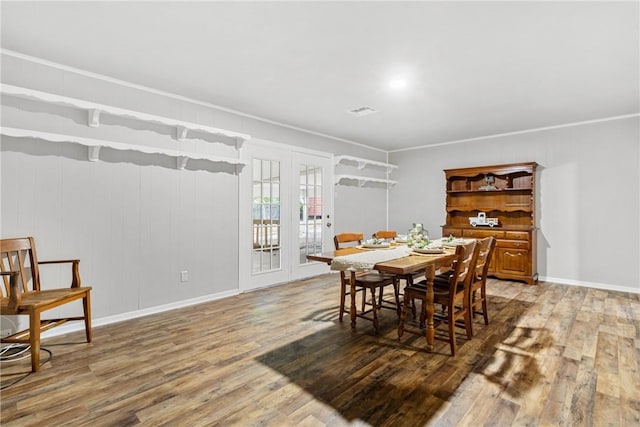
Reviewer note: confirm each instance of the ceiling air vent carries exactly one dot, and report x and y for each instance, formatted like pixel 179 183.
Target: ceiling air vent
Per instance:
pixel 362 111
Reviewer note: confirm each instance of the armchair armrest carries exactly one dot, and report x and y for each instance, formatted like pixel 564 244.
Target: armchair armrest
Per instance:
pixel 58 261
pixel 15 293
pixel 75 269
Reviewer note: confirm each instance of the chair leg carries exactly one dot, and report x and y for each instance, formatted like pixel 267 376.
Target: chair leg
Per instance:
pixel 473 303
pixel 396 292
pixel 403 314
pixel 343 292
pixel 34 340
pixel 468 326
pixel 375 309
pixel 483 293
pixel 468 307
pixel 86 305
pixel 452 331
pixel 409 281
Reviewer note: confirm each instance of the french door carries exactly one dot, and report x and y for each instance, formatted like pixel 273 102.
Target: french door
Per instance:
pixel 312 216
pixel 286 207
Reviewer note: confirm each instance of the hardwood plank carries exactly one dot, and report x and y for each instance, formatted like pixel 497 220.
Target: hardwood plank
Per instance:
pixel 504 414
pixel 607 353
pixel 628 362
pixel 630 412
pixel 583 399
pixel 605 411
pixel 558 404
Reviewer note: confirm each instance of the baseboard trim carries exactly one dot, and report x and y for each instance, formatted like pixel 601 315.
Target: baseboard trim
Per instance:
pixel 79 326
pixel 581 283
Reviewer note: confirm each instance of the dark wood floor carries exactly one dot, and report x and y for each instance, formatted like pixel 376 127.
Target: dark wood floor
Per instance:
pixel 552 355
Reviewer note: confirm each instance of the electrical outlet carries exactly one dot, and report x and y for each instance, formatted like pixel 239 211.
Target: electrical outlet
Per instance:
pixel 184 276
pixel 5 333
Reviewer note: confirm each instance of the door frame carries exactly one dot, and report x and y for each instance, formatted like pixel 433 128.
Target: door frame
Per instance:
pixel 269 150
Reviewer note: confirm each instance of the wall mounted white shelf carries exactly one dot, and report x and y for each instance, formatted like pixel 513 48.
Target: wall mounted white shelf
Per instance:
pixel 94 146
pixel 94 110
pixel 363 163
pixel 362 180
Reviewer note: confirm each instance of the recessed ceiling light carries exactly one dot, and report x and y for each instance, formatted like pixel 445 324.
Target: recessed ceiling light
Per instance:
pixel 397 83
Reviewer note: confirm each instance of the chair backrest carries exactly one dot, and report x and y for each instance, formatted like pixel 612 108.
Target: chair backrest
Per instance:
pixel 463 266
pixel 485 250
pixel 354 238
pixel 385 234
pixel 19 255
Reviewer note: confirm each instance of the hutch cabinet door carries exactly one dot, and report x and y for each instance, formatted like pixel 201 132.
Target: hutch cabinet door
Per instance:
pixel 513 261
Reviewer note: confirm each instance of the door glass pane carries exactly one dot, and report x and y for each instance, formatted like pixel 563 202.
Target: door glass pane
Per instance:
pixel 310 236
pixel 266 216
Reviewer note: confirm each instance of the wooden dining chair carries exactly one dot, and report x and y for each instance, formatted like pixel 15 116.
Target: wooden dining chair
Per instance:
pixel 408 278
pixel 452 293
pixel 343 240
pixel 385 234
pixel 22 294
pixel 371 280
pixel 477 303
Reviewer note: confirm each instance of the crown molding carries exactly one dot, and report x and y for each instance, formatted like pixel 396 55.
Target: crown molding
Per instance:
pixel 519 132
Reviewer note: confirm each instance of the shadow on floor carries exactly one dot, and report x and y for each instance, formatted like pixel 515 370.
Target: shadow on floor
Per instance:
pixel 383 381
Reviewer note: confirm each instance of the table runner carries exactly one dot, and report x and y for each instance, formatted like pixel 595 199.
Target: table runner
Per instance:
pixel 367 259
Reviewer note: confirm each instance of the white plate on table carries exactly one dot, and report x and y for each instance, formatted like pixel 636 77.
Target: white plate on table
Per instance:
pixel 455 242
pixel 428 250
pixel 376 245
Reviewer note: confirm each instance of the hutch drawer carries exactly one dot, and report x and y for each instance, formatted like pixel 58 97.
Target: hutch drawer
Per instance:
pixel 517 235
pixel 515 244
pixel 451 231
pixel 481 234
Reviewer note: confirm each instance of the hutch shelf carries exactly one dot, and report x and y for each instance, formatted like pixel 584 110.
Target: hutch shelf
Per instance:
pixel 505 192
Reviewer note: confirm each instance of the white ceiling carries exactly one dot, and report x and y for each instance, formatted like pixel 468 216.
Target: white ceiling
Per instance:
pixel 473 68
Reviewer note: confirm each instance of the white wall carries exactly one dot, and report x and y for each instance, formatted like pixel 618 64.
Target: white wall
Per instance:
pixel 355 211
pixel 587 203
pixel 134 220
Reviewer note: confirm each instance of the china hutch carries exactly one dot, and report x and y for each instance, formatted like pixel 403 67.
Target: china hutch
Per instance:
pixel 503 197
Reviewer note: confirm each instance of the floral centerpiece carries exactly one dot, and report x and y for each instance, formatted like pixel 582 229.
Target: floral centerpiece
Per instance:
pixel 417 237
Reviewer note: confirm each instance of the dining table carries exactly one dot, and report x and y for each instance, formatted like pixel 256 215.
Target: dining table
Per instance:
pixel 405 266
